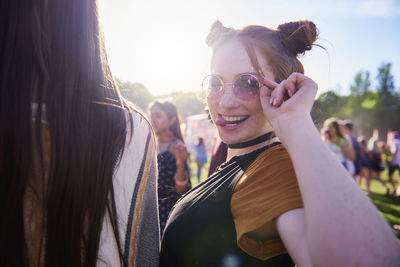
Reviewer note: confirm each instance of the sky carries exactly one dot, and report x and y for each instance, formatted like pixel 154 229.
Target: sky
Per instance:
pixel 161 44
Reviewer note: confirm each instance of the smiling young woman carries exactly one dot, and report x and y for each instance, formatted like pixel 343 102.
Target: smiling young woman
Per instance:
pixel 281 198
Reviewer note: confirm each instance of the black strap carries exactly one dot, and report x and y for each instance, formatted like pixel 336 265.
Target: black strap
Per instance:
pixel 253 142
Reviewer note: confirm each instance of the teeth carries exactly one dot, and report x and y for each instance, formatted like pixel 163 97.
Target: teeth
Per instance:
pixel 233 118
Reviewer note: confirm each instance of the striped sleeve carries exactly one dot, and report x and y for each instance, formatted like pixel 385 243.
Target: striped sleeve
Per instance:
pixel 135 187
pixel 142 234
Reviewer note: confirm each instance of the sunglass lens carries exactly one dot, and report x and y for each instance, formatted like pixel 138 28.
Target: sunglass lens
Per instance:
pixel 246 86
pixel 212 85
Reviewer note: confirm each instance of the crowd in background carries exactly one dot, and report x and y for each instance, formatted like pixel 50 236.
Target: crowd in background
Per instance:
pixel 365 158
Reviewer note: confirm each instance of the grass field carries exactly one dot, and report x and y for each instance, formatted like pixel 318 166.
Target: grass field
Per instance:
pixel 389 206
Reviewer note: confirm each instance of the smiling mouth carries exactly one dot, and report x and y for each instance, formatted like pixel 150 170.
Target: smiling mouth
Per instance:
pixel 230 120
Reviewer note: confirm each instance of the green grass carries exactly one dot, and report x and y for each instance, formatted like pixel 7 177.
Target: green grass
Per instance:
pixel 389 206
pixel 193 172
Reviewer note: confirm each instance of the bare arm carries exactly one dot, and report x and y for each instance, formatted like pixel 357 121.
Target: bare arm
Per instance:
pixel 293 232
pixel 341 225
pixel 181 175
pixel 180 152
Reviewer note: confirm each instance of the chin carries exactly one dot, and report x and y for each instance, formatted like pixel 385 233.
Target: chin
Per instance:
pixel 230 138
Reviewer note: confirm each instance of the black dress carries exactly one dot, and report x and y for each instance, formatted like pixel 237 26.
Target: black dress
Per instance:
pixel 200 230
pixel 167 195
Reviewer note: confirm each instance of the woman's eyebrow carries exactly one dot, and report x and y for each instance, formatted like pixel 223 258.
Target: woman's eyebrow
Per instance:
pixel 248 72
pixel 237 75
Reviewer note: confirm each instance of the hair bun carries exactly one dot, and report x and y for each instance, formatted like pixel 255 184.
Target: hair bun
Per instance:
pixel 298 36
pixel 217 30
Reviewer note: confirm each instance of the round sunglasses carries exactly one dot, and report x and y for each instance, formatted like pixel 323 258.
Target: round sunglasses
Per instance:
pixel 245 87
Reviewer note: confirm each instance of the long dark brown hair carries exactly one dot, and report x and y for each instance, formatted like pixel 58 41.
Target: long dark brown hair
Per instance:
pixel 52 54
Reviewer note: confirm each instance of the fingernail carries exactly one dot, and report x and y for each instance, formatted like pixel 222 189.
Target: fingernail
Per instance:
pixel 271 100
pixel 275 102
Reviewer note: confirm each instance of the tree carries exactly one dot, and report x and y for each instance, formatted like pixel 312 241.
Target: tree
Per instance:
pixel 361 102
pixel 135 92
pixel 387 112
pixel 361 83
pixel 187 103
pixel 328 104
pixel 368 109
pixel 385 81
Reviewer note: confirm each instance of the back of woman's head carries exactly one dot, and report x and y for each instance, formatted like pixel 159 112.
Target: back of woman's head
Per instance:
pixel 52 54
pixel 172 112
pixel 280 48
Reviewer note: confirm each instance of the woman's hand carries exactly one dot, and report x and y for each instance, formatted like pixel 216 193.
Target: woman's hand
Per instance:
pixel 292 99
pixel 181 176
pixel 180 152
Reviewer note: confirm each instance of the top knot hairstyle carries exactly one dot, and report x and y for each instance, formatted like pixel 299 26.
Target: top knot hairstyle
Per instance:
pixel 218 31
pixel 280 48
pixel 298 36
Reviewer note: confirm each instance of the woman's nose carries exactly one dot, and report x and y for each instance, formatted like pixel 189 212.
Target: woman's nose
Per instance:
pixel 228 98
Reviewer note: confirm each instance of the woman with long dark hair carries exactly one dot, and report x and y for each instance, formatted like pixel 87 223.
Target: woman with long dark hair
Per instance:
pixel 173 172
pixel 78 174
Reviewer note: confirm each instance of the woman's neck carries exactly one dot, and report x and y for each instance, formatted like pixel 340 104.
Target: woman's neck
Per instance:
pixel 246 150
pixel 164 137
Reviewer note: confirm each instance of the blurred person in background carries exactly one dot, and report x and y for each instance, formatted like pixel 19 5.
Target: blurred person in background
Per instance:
pixel 394 164
pixel 73 153
pixel 218 155
pixel 376 164
pixel 172 156
pixel 364 153
pixel 339 144
pixel 200 157
pixel 348 129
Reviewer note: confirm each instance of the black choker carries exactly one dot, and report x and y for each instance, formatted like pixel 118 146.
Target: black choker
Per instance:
pixel 253 142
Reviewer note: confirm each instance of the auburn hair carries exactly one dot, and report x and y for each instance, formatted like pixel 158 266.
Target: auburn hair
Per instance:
pixel 279 47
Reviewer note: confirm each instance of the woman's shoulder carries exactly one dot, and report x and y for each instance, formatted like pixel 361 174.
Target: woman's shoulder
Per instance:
pixel 136 119
pixel 140 136
pixel 272 163
pixel 274 156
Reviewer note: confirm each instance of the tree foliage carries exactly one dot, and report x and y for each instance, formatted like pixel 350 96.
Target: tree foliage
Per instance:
pixel 188 103
pixel 367 107
pixel 136 92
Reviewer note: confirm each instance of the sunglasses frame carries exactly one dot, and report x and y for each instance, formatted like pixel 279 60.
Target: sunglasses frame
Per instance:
pixel 207 91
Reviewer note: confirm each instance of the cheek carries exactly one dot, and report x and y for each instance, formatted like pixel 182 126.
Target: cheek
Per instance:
pixel 258 113
pixel 255 107
pixel 212 107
